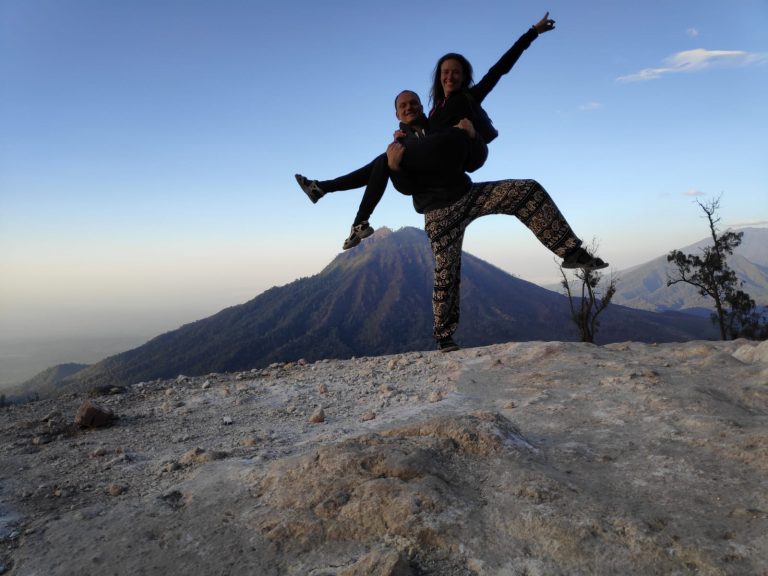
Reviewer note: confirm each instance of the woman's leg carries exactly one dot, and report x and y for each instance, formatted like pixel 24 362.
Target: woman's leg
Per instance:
pixel 445 227
pixel 531 204
pixel 445 230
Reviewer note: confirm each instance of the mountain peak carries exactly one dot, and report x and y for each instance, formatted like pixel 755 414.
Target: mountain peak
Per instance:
pixel 372 300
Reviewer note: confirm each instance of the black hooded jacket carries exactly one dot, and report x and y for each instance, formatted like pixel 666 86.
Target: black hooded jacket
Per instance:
pixel 448 111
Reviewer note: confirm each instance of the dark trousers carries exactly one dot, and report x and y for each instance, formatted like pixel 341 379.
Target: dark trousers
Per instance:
pixel 373 176
pixel 445 227
pixel 432 154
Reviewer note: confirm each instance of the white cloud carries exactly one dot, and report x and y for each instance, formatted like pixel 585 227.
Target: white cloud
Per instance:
pixel 696 60
pixel 692 32
pixel 693 192
pixel 749 224
pixel 589 106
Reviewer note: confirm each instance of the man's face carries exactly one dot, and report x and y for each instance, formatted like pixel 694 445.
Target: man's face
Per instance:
pixel 408 108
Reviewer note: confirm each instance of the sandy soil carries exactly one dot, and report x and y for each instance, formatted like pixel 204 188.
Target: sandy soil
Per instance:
pixel 514 459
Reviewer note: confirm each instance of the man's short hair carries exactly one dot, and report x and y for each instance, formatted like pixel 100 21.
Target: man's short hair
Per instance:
pixel 404 92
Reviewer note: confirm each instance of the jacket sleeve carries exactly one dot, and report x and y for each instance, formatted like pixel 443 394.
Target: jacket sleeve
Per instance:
pixel 488 82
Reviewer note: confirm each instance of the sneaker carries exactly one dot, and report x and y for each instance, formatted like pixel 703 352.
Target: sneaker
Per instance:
pixel 311 188
pixel 580 258
pixel 447 345
pixel 359 231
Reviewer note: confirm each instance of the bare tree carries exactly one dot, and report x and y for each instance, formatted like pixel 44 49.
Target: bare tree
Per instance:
pixel 586 308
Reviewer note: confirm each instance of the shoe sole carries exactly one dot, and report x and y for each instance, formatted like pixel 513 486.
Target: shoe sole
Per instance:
pixel 585 266
pixel 358 238
pixel 449 348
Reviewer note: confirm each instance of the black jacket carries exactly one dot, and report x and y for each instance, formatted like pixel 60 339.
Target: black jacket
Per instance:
pixel 443 184
pixel 448 111
pixel 437 190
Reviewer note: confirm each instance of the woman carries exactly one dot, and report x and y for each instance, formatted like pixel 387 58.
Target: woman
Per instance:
pixel 454 97
pixel 456 202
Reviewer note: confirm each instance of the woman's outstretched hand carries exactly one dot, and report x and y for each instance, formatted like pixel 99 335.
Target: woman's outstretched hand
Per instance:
pixel 545 24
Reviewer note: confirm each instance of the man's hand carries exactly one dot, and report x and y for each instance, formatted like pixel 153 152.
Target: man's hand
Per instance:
pixel 399 134
pixel 395 152
pixel 466 124
pixel 545 24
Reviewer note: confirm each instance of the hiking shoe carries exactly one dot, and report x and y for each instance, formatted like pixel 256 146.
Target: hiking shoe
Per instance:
pixel 580 258
pixel 311 188
pixel 447 345
pixel 359 231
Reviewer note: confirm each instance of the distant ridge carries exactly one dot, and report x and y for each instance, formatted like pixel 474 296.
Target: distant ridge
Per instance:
pixel 45 384
pixel 645 286
pixel 369 301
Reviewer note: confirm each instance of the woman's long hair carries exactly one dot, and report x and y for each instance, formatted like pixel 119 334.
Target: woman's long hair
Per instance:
pixel 436 93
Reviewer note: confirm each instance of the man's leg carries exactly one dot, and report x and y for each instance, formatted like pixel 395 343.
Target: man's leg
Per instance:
pixel 355 179
pixel 446 150
pixel 378 177
pixel 433 152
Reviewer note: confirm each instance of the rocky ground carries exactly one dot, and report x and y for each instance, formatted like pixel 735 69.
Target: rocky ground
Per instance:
pixel 515 459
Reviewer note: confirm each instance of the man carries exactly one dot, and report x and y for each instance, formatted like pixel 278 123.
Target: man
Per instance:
pixel 435 155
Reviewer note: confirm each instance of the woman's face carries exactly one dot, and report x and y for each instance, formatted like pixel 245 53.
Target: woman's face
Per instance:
pixel 451 76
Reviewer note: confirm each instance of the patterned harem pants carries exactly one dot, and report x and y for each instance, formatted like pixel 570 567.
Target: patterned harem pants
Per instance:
pixel 445 227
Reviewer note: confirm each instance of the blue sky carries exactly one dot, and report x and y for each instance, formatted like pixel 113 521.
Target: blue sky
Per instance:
pixel 148 148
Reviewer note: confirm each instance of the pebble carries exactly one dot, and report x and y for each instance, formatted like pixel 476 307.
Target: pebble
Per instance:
pixel 91 415
pixel 317 416
pixel 115 489
pixel 170 467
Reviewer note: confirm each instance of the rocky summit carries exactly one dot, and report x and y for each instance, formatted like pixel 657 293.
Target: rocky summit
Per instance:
pixel 536 458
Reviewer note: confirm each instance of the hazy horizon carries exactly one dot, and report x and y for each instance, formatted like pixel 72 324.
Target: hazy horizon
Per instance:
pixel 25 356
